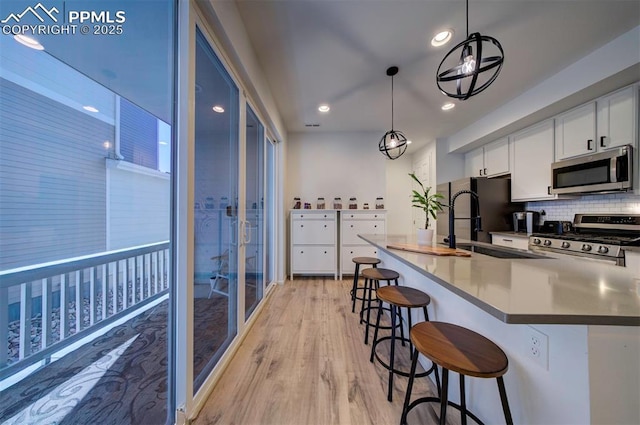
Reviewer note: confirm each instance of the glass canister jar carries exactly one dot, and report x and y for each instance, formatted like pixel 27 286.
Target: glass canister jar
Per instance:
pixel 380 203
pixel 337 203
pixel 297 204
pixel 353 203
pixel 365 206
pixel 320 204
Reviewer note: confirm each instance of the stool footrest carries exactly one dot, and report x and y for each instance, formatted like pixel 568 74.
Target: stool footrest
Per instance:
pixel 375 308
pixel 398 371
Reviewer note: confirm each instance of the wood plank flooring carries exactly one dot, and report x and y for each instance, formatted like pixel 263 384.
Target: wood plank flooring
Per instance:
pixel 305 363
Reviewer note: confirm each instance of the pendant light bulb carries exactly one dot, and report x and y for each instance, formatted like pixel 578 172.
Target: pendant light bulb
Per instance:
pixel 469 64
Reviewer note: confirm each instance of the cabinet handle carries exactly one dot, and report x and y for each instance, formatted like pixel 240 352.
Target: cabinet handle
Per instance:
pixel 325 252
pixel 602 145
pixel 302 225
pixel 485 171
pixel 351 252
pixel 589 144
pixel 507 240
pixel 301 252
pixel 480 171
pixel 325 225
pixel 375 225
pixel 352 225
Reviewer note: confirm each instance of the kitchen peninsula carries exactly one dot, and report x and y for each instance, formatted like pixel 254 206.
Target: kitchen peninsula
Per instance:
pixel 583 316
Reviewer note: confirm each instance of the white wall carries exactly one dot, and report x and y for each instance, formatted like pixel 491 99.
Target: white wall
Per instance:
pixel 335 164
pixel 398 198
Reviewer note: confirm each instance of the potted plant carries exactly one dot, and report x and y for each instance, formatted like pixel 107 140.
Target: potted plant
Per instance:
pixel 430 204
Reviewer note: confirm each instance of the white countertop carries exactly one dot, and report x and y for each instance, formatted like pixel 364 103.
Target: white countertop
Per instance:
pixel 543 291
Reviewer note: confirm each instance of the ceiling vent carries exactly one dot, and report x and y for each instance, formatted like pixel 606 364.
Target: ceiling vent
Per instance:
pixel 312 125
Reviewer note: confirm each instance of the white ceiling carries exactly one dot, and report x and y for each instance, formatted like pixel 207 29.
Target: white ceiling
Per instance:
pixel 337 51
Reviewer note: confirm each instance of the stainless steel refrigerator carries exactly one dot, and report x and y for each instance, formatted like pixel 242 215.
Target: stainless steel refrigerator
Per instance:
pixel 496 208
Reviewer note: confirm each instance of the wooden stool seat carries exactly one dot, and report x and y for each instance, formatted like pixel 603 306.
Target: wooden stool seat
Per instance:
pixel 460 350
pixel 380 274
pixel 403 296
pixel 366 260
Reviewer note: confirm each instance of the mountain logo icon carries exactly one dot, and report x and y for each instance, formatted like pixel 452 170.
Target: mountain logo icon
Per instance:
pixel 43 11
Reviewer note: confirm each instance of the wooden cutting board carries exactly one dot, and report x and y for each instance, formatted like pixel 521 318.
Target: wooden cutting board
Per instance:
pixel 428 249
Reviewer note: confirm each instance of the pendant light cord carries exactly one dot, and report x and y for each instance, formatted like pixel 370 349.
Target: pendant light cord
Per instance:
pixel 467 18
pixel 392 102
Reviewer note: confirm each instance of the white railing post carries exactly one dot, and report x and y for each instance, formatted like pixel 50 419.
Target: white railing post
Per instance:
pixel 147 273
pixel 25 320
pixel 92 296
pixel 4 326
pixel 46 335
pixel 105 294
pixel 64 307
pixel 78 301
pixel 125 285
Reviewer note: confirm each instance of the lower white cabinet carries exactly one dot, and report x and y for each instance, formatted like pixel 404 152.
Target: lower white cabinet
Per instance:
pixel 510 240
pixel 352 224
pixel 632 262
pixel 314 242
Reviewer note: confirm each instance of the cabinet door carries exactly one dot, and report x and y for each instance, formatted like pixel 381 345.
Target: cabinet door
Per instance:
pixel 314 232
pixel 313 259
pixel 617 119
pixel 474 163
pixel 532 152
pixel 350 252
pixel 352 228
pixel 576 132
pixel 496 158
pixel 510 241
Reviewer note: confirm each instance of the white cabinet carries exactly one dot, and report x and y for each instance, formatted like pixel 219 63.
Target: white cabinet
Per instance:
pixel 488 161
pixel 532 155
pixel 618 118
pixel 314 240
pixel 352 224
pixel 608 122
pixel 510 240
pixel 576 131
pixel 632 263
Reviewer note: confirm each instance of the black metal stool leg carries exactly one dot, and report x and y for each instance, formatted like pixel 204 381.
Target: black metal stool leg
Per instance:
pixel 366 331
pixel 463 402
pixel 392 353
pixel 505 402
pixel 407 397
pixel 354 289
pixel 366 290
pixel 375 332
pixel 444 396
pixel 410 326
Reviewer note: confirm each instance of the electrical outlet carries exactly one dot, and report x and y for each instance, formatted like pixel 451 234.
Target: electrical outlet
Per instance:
pixel 537 347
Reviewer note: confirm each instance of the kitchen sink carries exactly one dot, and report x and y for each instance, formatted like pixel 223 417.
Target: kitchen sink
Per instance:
pixel 497 253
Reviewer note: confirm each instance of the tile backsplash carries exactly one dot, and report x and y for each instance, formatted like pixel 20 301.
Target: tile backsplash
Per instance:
pixel 592 204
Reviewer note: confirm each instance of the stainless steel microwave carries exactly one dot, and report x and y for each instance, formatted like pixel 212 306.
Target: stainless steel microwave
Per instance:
pixel 608 171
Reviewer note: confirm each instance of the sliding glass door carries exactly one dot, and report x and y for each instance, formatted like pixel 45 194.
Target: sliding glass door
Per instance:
pixel 216 222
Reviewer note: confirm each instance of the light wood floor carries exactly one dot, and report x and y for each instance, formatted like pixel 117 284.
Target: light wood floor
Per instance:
pixel 305 363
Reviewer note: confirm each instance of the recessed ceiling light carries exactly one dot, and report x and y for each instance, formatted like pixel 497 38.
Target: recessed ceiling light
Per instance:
pixel 28 41
pixel 219 109
pixel 448 106
pixel 442 38
pixel 324 108
pixel 408 142
pixel 163 143
pixel 90 108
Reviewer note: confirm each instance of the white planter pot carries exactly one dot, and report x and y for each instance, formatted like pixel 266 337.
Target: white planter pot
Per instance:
pixel 425 236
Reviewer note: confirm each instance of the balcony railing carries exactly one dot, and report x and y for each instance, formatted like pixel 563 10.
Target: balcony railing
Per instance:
pixel 46 307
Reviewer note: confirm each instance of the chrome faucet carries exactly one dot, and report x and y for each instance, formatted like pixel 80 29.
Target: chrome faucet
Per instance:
pixel 452 215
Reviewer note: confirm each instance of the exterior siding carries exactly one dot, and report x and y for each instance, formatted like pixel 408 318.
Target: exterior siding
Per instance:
pixel 138 135
pixel 52 179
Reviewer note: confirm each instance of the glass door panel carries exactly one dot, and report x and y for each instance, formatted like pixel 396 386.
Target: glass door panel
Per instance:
pixel 269 214
pixel 216 211
pixel 254 226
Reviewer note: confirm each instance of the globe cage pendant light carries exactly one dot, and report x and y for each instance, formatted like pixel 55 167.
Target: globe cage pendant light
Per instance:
pixel 475 56
pixel 393 144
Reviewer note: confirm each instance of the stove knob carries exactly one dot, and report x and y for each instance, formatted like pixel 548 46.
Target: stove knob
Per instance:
pixel 566 244
pixel 603 249
pixel 536 241
pixel 586 247
pixel 547 242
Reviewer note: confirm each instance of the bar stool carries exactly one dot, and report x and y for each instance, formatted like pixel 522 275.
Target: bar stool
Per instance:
pixel 367 261
pixel 460 350
pixel 372 278
pixel 399 297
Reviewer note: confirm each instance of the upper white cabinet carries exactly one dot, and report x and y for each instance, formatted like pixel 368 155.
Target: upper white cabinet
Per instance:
pixel 576 131
pixel 532 153
pixel 608 122
pixel 488 161
pixel 618 118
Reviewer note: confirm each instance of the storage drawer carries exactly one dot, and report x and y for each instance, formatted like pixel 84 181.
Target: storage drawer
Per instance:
pixel 350 252
pixel 517 242
pixel 313 216
pixel 315 232
pixel 362 216
pixel 313 259
pixel 352 228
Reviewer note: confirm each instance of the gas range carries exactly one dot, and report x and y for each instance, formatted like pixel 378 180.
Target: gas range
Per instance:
pixel 597 236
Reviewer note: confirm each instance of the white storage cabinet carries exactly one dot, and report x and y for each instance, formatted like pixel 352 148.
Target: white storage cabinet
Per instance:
pixel 352 224
pixel 510 240
pixel 314 241
pixel 488 161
